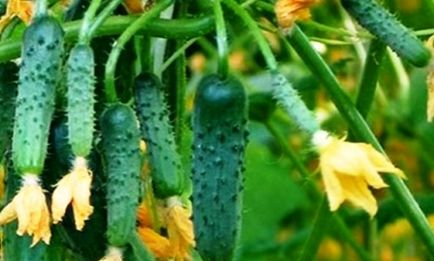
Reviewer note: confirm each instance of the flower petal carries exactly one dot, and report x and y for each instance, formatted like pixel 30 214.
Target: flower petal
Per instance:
pixel 61 197
pixel 358 193
pixel 333 187
pixel 157 244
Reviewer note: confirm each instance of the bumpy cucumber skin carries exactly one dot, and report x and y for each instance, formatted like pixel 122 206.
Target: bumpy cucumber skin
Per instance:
pixel 158 135
pixel 386 27
pixel 8 94
pixel 120 140
pixel 81 87
pixel 219 127
pixel 38 77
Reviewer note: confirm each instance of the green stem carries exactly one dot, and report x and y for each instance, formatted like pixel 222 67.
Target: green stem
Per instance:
pixel 311 246
pixel 164 28
pixel 313 192
pixel 109 77
pixel 84 36
pixel 176 54
pixel 222 43
pixel 102 17
pixel 362 132
pixel 141 252
pixel 41 8
pixel 254 29
pixel 369 79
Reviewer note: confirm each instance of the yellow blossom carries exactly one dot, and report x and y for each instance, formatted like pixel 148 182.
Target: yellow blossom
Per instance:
pixel 23 9
pixel 157 244
pixel 113 254
pixel 73 187
pixel 180 229
pixel 289 11
pixel 31 209
pixel 349 169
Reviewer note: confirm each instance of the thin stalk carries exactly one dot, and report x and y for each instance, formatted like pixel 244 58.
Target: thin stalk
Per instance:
pixel 310 247
pixel 109 77
pixel 84 36
pixel 102 17
pixel 254 29
pixel 222 42
pixel 369 78
pixel 175 55
pixel 171 29
pixel 362 132
pixel 41 8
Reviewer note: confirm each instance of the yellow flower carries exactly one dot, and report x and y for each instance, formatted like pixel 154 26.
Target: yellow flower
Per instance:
pixel 73 187
pixel 180 229
pixel 113 254
pixel 349 169
pixel 289 11
pixel 157 244
pixel 17 8
pixel 30 208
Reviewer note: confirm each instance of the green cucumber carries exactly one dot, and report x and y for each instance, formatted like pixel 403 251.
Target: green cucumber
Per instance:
pixel 81 86
pixel 219 127
pixel 38 77
pixel 8 93
pixel 120 140
pixel 377 20
pixel 158 136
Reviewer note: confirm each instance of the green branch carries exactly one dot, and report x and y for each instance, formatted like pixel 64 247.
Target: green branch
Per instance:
pixel 173 29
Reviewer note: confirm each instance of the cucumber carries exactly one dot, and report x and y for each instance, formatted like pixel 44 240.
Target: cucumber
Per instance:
pixel 388 29
pixel 219 127
pixel 38 77
pixel 120 141
pixel 8 93
pixel 81 86
pixel 158 134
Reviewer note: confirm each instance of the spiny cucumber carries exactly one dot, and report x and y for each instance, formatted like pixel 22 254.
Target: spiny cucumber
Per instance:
pixel 120 140
pixel 386 27
pixel 81 100
pixel 288 98
pixel 8 93
pixel 38 76
pixel 219 127
pixel 158 135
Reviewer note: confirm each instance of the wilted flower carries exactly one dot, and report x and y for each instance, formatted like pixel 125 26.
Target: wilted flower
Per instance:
pixel 289 11
pixel 349 169
pixel 180 229
pixel 31 209
pixel 23 9
pixel 157 244
pixel 75 188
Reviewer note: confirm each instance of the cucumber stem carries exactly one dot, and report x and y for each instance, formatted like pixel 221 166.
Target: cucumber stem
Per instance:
pixel 176 29
pixel 253 27
pixel 109 77
pixel 222 42
pixel 99 20
pixel 362 132
pixel 40 8
pixel 310 247
pixel 84 36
